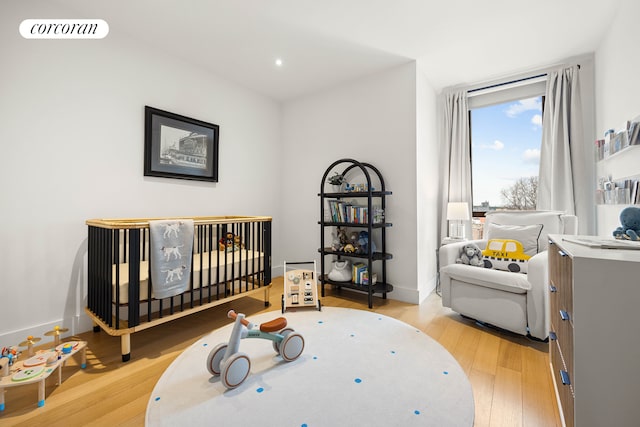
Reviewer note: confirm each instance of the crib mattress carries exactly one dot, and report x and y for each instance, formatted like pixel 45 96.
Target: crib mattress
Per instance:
pixel 225 266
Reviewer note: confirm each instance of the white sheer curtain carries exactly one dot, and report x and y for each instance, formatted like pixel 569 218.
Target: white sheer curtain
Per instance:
pixel 455 157
pixel 562 143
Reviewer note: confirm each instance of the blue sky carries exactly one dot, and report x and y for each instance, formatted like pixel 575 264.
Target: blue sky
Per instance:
pixel 505 144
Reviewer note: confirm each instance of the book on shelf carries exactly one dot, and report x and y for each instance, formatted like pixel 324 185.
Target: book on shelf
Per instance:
pixel 620 141
pixel 622 192
pixel 360 275
pixel 634 131
pixel 341 211
pixel 358 270
pixel 599 145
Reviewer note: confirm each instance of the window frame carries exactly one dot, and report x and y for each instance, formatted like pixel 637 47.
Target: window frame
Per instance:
pixel 506 95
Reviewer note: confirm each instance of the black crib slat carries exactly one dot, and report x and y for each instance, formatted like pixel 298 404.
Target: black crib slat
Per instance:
pixel 254 228
pixel 134 278
pixel 219 236
pixel 116 261
pixel 92 257
pixel 233 262
pixel 210 246
pixel 267 252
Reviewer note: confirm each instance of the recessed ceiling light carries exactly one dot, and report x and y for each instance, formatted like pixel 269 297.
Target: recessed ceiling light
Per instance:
pixel 279 62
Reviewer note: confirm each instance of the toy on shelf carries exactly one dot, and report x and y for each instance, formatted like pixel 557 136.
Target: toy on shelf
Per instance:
pixel 31 340
pixel 300 287
pixel 232 366
pixel 56 332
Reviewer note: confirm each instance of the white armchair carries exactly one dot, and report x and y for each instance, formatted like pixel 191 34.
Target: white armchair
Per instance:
pixel 516 302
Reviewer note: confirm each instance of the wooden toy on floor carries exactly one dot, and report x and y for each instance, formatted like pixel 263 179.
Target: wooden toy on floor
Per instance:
pixel 39 366
pixel 300 287
pixel 29 344
pixel 56 332
pixel 232 366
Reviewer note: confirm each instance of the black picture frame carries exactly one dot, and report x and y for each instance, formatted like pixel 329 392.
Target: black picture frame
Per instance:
pixel 180 147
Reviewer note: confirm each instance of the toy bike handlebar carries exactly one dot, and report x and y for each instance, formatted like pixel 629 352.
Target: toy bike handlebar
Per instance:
pixel 231 314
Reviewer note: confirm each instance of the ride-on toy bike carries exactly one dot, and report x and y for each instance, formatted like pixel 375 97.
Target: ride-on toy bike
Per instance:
pixel 232 366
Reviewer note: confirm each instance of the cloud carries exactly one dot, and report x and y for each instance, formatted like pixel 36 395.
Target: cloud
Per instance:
pixel 497 145
pixel 531 155
pixel 524 105
pixel 537 120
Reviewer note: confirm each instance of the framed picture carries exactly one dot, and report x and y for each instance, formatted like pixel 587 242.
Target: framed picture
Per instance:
pixel 179 147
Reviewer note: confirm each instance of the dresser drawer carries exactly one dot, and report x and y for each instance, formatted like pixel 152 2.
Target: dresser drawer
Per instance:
pixel 562 338
pixel 565 287
pixel 563 382
pixel 560 282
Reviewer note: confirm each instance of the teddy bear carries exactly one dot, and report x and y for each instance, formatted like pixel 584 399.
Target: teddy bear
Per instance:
pixel 230 243
pixel 471 254
pixel 630 228
pixel 353 240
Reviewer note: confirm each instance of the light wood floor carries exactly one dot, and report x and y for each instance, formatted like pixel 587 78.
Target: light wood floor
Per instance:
pixel 509 374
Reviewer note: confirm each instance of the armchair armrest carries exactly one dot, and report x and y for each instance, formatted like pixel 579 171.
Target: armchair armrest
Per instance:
pixel 449 253
pixel 538 299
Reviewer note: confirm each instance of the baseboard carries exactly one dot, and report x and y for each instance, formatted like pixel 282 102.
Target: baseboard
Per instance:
pixel 411 296
pixel 277 271
pixel 13 338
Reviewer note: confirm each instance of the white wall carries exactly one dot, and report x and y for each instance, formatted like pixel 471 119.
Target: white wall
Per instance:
pixel 617 95
pixel 72 149
pixel 373 120
pixel 427 155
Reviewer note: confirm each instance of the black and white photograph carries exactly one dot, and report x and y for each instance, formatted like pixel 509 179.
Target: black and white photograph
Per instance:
pixel 180 147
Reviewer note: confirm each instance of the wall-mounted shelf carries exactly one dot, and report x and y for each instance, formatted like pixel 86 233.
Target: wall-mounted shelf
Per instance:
pixel 625 150
pixel 618 167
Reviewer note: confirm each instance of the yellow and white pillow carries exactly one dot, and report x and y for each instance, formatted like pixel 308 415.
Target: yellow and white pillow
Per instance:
pixel 505 254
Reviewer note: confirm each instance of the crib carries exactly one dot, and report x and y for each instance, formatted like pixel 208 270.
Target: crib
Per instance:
pixel 120 297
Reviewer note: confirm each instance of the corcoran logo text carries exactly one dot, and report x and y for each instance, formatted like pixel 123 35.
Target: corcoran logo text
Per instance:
pixel 64 29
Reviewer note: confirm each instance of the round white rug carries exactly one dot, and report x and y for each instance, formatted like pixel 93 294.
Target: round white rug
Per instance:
pixel 357 368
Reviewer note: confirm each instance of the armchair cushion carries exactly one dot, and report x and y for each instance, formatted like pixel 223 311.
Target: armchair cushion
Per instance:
pixel 488 278
pixel 552 222
pixel 527 235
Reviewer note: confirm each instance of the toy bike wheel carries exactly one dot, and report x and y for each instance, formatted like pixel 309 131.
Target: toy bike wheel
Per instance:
pixel 291 346
pixel 215 357
pixel 284 332
pixel 235 370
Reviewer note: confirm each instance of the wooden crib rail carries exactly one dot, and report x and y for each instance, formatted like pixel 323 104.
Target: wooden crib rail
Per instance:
pixel 133 223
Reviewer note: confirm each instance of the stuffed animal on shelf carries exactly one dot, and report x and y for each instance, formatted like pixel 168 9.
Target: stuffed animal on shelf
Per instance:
pixel 336 245
pixel 630 228
pixel 353 241
pixel 363 242
pixel 471 254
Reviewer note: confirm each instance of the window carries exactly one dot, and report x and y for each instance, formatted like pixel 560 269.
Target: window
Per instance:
pixel 505 156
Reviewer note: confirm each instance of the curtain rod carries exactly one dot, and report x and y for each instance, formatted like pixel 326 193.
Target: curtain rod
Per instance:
pixel 511 82
pixel 507 83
